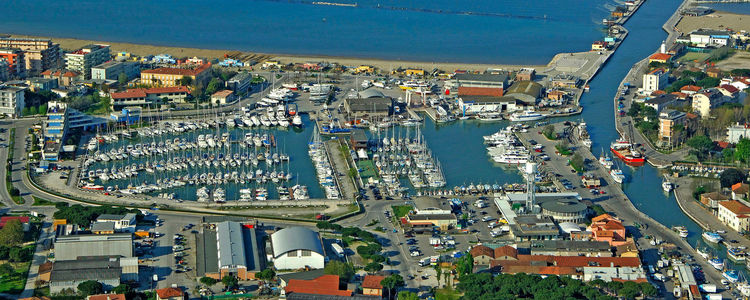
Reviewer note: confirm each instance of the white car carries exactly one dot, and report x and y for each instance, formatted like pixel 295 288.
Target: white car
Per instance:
pixel 415 253
pixel 487 219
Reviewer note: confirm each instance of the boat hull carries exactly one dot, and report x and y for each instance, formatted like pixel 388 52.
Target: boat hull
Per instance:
pixel 629 160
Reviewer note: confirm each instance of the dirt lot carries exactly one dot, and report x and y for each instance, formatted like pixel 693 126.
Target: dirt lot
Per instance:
pixel 739 60
pixel 716 20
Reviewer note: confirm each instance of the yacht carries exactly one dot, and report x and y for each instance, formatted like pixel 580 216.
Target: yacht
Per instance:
pixel 716 263
pixel 527 115
pixel 617 175
pixel 712 237
pixel 667 186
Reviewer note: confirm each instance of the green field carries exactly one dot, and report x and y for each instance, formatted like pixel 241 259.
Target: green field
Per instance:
pixel 15 283
pixel 367 169
pixel 401 210
pixel 691 56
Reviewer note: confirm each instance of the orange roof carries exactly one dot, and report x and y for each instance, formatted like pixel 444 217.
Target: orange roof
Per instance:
pixel 178 71
pixel 602 217
pixel 107 297
pixel 741 188
pixel 47 72
pixel 660 56
pixel 372 282
pixel 142 93
pixel 169 293
pixel 679 95
pixel 480 250
pixel 690 88
pixel 729 88
pixel 70 74
pixel 658 92
pixel 131 93
pixel 323 285
pixel 506 251
pixel 736 207
pixel 613 225
pixel 222 93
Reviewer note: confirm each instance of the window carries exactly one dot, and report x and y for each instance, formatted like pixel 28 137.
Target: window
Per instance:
pixel 306 253
pixel 291 254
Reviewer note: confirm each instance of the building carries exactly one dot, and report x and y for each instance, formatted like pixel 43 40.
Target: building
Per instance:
pixel 567 248
pixel 527 92
pixel 172 76
pixel 574 266
pixel 4 70
pixel 22 219
pixel 635 274
pixel 149 98
pixel 662 58
pixel 476 104
pixel 371 285
pixel 83 59
pixel 533 228
pixel 661 102
pixel 128 115
pixel 12 101
pixel 297 248
pixel 606 228
pixel 107 297
pixel 64 78
pixel 738 131
pixel 223 97
pixel 713 199
pixel 713 72
pixel 38 54
pixel 359 140
pixel 71 247
pixel 111 70
pixel 708 37
pixel 326 285
pixel 740 191
pixel 735 214
pixel 598 46
pixel 565 81
pixel 14 57
pixel 526 74
pixel 655 80
pixel 729 90
pixel 54 129
pixel 237 251
pixel 122 223
pixel 240 83
pixel 109 271
pixel 690 89
pixel 668 118
pixel 423 220
pixel 705 101
pixel 170 293
pixel 480 84
pixel 697 11
pixel 370 102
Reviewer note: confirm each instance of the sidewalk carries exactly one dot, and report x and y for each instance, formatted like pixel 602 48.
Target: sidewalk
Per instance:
pixel 40 256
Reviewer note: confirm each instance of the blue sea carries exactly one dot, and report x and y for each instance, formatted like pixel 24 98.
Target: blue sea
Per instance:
pixel 476 31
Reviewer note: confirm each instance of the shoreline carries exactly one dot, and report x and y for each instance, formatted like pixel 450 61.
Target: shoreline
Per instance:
pixel 179 52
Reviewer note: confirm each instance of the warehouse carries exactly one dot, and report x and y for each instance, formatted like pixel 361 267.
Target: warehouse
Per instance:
pixel 108 271
pixel 480 84
pixel 297 248
pixel 71 247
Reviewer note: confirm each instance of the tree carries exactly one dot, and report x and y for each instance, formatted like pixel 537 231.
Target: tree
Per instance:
pixel 266 274
pixel 15 192
pixel 438 272
pixel 90 287
pixel 4 252
pixel 6 269
pixel 701 143
pixel 708 82
pixel 407 295
pixel 373 267
pixel 635 110
pixel 230 281
pixel 43 109
pixel 391 282
pixel 742 151
pixel 122 79
pixel 648 290
pixel 549 132
pixel 186 80
pixel 465 265
pixel 345 271
pixel 18 254
pixel 12 233
pixel 577 162
pixel 213 86
pixel 25 111
pixel 208 281
pixel 122 289
pixel 731 176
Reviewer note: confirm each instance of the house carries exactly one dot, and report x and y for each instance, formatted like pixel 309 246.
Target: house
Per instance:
pixel 655 80
pixel 371 285
pixel 22 219
pixel 729 90
pixel 326 285
pixel 103 228
pixel 738 131
pixel 107 297
pixel 297 248
pixel 661 102
pixel 713 72
pixel 690 89
pixel 740 191
pixel 735 214
pixel 240 83
pixel 708 99
pixel 12 101
pixel 707 37
pixel 170 293
pixel 628 249
pixel 608 229
pixel 556 95
pixel 668 118
pixel 484 254
pixel 480 84
pixel 223 97
pixel 358 139
pixel 526 74
pixel 88 56
pixel 531 228
pixel 168 76
pixel 149 98
pixel 713 199
pixel 122 223
pixel 660 58
pixel 425 219
pixel 64 77
pixel 598 46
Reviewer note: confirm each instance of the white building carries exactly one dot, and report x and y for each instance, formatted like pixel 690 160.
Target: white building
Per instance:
pixel 11 101
pixel 735 214
pixel 703 102
pixel 705 37
pixel 484 104
pixel 111 70
pixel 738 131
pixel 123 223
pixel 296 248
pixel 655 80
pixel 83 59
pixel 608 273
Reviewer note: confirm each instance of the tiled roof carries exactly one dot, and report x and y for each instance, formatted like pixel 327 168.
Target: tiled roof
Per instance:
pixel 142 93
pixel 5 219
pixel 323 285
pixel 169 293
pixel 70 74
pixel 169 89
pixel 178 71
pixel 480 250
pixel 736 207
pixel 690 88
pixel 729 88
pixel 506 251
pixel 660 56
pixel 372 282
pixel 741 188
pixel 222 93
pixel 602 217
pixel 107 297
pixel 131 93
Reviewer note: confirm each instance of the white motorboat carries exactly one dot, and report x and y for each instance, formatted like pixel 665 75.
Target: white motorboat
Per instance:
pixel 667 186
pixel 526 115
pixel 712 237
pixel 617 175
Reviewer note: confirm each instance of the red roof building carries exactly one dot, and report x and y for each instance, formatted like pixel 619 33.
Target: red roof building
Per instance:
pixel 107 297
pixel 170 293
pixel 5 219
pixel 660 58
pixel 323 285
pixel 606 228
pixel 371 285
pixel 147 97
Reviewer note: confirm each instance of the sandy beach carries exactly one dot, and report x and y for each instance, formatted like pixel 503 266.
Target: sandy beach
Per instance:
pixel 716 20
pixel 141 50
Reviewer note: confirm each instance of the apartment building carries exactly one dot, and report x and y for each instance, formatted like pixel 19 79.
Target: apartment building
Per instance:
pixel 111 70
pixel 166 77
pixel 38 54
pixel 83 59
pixel 11 101
pixel 14 58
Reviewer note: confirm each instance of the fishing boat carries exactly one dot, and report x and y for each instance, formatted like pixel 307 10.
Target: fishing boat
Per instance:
pixel 736 254
pixel 667 186
pixel 717 263
pixel 627 152
pixel 605 161
pixel 617 175
pixel 703 252
pixel 731 275
pixel 712 237
pixel 681 230
pixel 526 115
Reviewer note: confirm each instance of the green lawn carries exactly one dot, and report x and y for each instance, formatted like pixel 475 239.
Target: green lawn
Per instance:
pixel 447 294
pixel 401 210
pixel 14 284
pixel 367 169
pixel 42 202
pixel 691 56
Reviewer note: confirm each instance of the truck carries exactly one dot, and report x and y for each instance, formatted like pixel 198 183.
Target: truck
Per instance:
pixel 435 241
pixel 708 288
pixel 142 234
pixel 338 249
pixel 424 262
